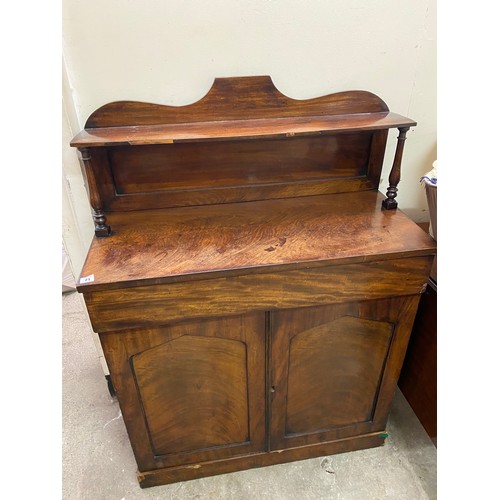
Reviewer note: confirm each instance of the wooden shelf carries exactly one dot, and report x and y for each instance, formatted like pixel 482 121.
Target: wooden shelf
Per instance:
pixel 274 128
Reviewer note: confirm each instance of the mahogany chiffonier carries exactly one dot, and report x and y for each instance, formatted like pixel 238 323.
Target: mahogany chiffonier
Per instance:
pixel 252 290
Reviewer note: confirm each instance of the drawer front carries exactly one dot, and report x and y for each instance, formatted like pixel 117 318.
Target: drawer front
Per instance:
pixel 155 305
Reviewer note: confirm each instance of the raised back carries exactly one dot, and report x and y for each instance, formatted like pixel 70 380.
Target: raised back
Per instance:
pixel 243 141
pixel 239 98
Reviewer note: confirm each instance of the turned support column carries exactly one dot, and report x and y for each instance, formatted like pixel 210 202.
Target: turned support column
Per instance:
pixel 101 228
pixel 390 202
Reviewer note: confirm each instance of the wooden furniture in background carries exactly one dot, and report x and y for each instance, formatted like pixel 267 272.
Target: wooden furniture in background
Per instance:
pixel 418 379
pixel 253 298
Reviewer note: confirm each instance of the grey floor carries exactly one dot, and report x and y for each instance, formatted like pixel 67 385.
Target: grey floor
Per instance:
pixel 98 462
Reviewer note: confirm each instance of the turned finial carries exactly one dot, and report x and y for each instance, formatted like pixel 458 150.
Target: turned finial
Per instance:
pixel 101 228
pixel 390 202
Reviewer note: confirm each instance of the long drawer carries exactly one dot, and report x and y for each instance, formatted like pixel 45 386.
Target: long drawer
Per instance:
pixel 154 305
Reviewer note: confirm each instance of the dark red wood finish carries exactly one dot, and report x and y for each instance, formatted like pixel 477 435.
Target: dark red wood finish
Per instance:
pixel 252 143
pixel 253 299
pixel 418 381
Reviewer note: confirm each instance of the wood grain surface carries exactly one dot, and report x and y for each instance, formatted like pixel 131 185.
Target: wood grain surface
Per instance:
pixel 253 300
pixel 334 368
pixel 150 478
pixel 334 372
pixel 165 176
pixel 155 305
pixel 418 380
pixel 238 163
pixel 203 383
pixel 237 130
pixel 191 391
pixel 236 108
pixel 243 141
pixel 196 242
pixel 236 98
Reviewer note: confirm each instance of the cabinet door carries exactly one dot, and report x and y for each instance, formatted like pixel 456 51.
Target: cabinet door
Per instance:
pixel 193 391
pixel 334 369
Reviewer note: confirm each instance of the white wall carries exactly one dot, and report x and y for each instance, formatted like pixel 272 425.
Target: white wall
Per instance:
pixel 169 52
pixel 77 223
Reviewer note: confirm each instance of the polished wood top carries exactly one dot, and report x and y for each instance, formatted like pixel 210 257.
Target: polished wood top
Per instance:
pixel 274 128
pixel 188 243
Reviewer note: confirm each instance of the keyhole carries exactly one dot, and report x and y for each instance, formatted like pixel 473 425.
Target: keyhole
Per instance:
pixel 273 388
